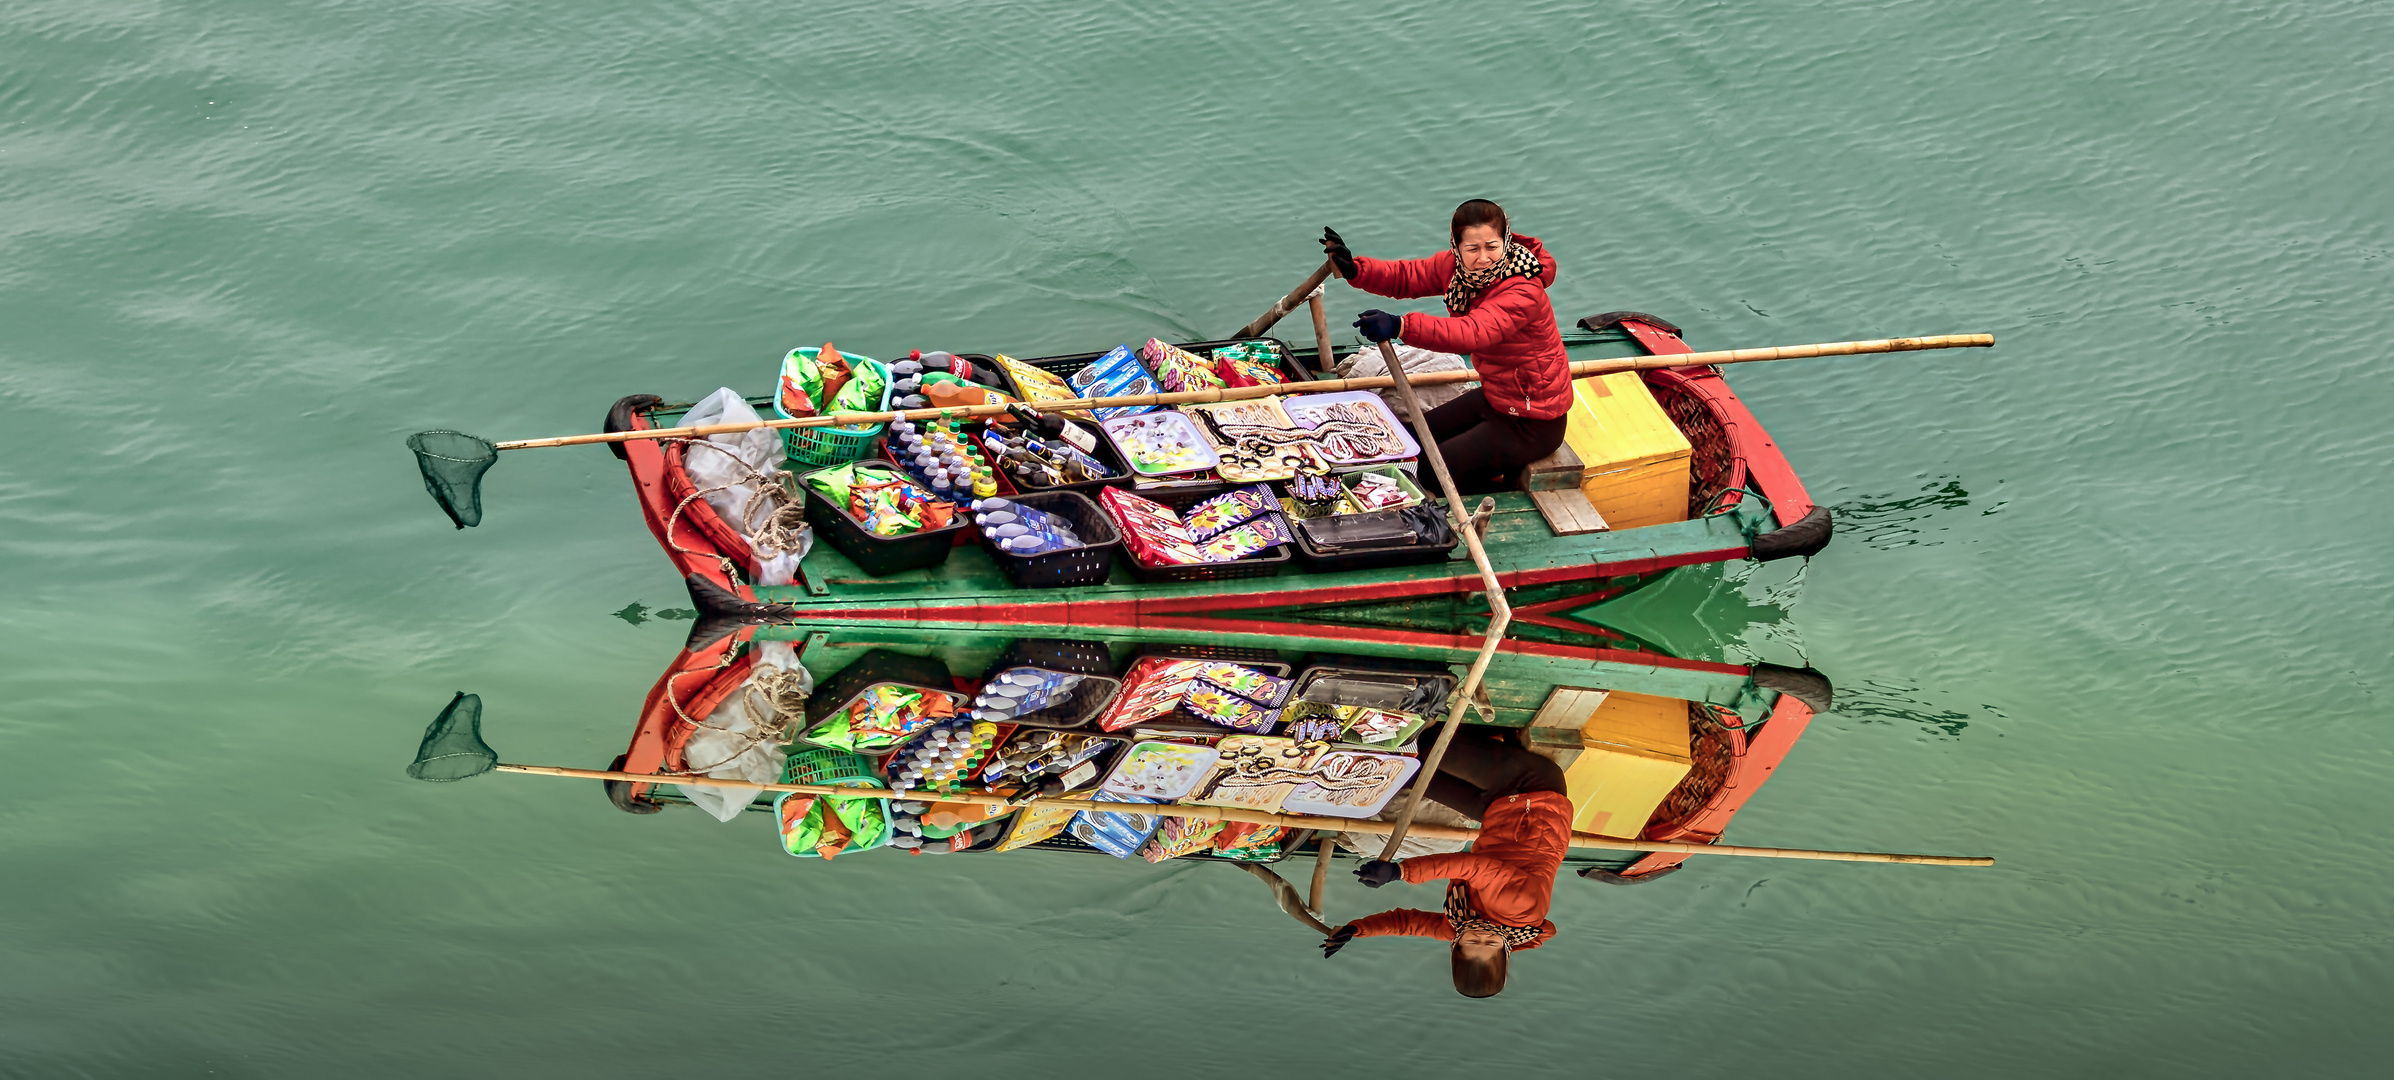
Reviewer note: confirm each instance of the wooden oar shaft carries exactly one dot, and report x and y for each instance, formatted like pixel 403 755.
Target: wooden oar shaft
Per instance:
pixel 1287 303
pixel 1256 817
pixel 1580 370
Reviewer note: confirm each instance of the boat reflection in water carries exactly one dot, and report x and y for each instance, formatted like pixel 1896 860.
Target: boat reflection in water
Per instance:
pixel 1655 747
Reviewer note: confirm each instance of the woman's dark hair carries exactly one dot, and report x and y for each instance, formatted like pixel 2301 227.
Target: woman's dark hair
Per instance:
pixel 1478 212
pixel 1478 978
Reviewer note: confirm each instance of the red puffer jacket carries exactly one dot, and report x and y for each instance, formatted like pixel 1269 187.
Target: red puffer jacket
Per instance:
pixel 1510 330
pixel 1510 870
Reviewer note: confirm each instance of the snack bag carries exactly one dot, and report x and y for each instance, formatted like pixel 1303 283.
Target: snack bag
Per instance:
pixel 1038 384
pixel 1178 369
pixel 1245 540
pixel 1249 363
pixel 1249 842
pixel 1179 836
pixel 1215 705
pixel 1256 686
pixel 1219 513
pixel 860 391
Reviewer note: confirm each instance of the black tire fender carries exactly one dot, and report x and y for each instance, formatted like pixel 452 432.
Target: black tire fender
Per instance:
pixel 619 418
pixel 620 793
pixel 1806 537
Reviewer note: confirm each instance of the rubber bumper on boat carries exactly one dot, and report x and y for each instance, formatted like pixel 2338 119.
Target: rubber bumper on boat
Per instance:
pixel 1597 324
pixel 1806 537
pixel 1804 684
pixel 620 792
pixel 619 418
pixel 1610 878
pixel 721 612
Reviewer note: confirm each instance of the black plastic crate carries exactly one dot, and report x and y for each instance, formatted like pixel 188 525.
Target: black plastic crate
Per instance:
pixel 1180 720
pixel 1372 558
pixel 880 556
pixel 1089 564
pixel 1065 365
pixel 1265 563
pixel 1058 654
pixel 1394 674
pixel 1088 659
pixel 876 666
pixel 1105 453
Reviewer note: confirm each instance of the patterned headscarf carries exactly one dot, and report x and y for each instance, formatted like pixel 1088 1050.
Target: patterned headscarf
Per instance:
pixel 1462 916
pixel 1467 284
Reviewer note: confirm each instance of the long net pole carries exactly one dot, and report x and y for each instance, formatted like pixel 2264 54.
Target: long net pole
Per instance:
pixel 1255 817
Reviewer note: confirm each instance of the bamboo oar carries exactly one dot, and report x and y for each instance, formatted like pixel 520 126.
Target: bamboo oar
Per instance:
pixel 1500 613
pixel 1580 370
pixel 1287 303
pixel 1256 817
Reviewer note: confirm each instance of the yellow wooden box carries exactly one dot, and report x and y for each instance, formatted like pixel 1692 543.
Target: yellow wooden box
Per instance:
pixel 1634 460
pixel 1634 750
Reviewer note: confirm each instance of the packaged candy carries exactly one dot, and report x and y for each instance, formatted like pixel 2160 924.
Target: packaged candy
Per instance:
pixel 1378 491
pixel 1245 540
pixel 828 826
pixel 1215 705
pixel 1116 833
pixel 1259 687
pixel 1153 687
pixel 1178 836
pixel 1038 384
pixel 1315 729
pixel 1037 822
pixel 1116 374
pixel 1249 842
pixel 1377 725
pixel 1249 363
pixel 1177 369
pixel 1227 509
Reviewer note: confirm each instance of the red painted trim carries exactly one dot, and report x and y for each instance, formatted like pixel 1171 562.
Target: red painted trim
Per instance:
pixel 700 686
pixel 1766 467
pixel 652 482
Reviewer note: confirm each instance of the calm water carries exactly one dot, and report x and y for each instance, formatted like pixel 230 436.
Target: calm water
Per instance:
pixel 2111 603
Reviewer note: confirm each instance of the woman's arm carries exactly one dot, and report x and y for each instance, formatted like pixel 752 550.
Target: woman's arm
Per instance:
pixel 1484 874
pixel 1404 279
pixel 1496 319
pixel 1404 922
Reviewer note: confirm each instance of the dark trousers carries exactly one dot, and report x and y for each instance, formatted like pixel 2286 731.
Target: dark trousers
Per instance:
pixel 1484 447
pixel 1480 769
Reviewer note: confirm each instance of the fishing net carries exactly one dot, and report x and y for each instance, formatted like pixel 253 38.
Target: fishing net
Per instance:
pixel 453 463
pixel 453 748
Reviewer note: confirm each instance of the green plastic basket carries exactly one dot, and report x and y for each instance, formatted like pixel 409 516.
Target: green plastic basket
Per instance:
pixel 824 447
pixel 826 766
pixel 830 767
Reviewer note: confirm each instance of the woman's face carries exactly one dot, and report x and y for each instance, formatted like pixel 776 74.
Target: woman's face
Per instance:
pixel 1480 942
pixel 1481 247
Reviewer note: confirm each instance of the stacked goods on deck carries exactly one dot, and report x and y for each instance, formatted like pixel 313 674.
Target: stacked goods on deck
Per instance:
pixel 1192 726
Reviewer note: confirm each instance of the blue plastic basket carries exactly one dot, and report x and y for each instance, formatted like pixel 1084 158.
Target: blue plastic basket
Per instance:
pixel 827 446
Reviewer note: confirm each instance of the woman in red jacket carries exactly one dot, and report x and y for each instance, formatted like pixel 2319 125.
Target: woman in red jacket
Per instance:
pixel 1495 288
pixel 1498 892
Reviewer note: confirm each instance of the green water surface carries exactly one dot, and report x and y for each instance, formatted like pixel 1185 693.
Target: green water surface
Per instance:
pixel 2110 602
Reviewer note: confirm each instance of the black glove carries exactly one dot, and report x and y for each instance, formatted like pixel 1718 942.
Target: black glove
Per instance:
pixel 1341 259
pixel 1378 325
pixel 1378 872
pixel 1337 940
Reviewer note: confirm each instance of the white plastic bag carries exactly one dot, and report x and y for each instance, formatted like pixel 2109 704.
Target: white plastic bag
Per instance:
pixel 745 505
pixel 727 745
pixel 1368 364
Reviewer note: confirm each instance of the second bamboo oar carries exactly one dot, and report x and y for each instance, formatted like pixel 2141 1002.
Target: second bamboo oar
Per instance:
pixel 1582 369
